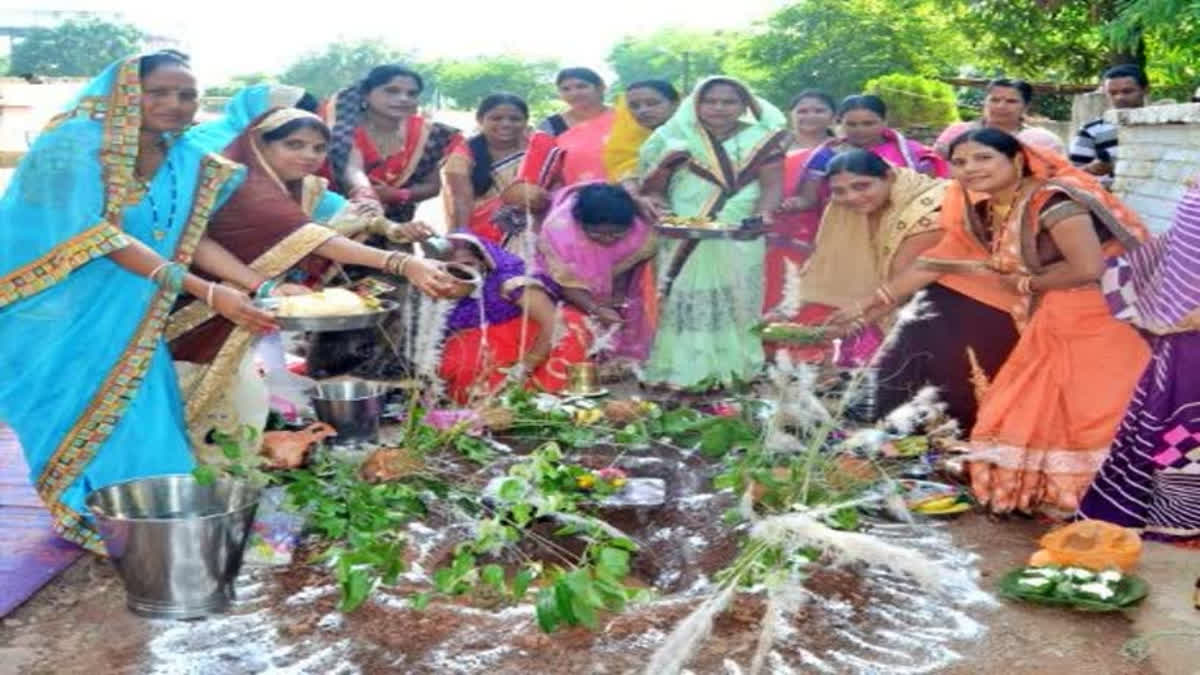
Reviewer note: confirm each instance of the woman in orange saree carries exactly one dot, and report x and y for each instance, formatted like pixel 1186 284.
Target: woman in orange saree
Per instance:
pixel 500 175
pixel 1035 242
pixel 582 130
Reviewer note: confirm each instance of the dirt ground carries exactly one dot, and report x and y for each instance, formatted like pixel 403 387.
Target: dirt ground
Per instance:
pixel 78 624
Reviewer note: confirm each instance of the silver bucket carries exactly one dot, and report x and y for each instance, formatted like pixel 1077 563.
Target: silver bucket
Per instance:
pixel 176 544
pixel 353 407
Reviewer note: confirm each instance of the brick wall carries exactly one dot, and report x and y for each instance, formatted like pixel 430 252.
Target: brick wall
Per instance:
pixel 1159 151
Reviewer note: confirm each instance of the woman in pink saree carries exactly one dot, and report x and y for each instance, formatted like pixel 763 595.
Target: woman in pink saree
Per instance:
pixel 594 246
pixel 582 130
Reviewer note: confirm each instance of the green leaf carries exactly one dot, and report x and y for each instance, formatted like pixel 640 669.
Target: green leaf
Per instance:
pixel 614 562
pixel 420 601
pixel 204 474
pixel 521 513
pixel 512 489
pixel 563 597
pixel 584 612
pixel 521 582
pixel 444 580
pixel 493 575
pixel 354 590
pixel 546 608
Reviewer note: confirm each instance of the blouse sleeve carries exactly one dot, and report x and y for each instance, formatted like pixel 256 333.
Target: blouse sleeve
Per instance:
pixel 458 161
pixel 330 205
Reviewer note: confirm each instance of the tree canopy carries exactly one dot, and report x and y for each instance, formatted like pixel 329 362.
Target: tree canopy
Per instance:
pixel 341 64
pixel 680 57
pixel 74 48
pixel 465 82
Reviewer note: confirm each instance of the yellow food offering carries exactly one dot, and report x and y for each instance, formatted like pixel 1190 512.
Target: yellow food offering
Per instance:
pixel 329 302
pixel 691 222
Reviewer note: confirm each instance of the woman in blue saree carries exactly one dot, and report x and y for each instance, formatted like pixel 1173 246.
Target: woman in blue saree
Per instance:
pixel 96 230
pixel 246 105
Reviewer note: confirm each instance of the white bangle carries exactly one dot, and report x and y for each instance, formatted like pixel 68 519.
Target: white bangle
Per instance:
pixel 158 269
pixel 208 299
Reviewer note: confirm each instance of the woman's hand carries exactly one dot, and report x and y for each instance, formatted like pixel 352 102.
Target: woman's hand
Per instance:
pixel 428 276
pixel 392 195
pixel 238 308
pixel 796 203
pixel 403 233
pixel 652 206
pixel 290 289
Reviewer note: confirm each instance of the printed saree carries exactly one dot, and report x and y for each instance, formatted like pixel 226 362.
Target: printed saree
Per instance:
pixel 850 259
pixel 710 293
pixel 426 145
pixel 88 382
pixel 540 163
pixel 895 149
pixel 1047 420
pixel 486 333
pixel 568 256
pixel 1151 479
pixel 269 225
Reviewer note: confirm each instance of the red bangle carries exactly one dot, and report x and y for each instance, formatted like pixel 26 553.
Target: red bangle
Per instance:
pixel 404 195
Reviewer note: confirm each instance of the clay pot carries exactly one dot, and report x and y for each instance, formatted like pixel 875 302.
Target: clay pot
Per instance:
pixel 622 412
pixel 288 449
pixel 466 280
pixel 526 196
pixel 389 464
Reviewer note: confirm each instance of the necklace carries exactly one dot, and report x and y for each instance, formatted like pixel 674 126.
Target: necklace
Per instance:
pixel 160 229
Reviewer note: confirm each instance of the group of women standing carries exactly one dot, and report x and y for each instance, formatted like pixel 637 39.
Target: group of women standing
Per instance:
pixel 134 251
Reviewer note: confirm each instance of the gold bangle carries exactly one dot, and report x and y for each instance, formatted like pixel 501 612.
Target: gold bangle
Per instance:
pixel 1025 285
pixel 208 297
pixel 885 295
pixel 403 263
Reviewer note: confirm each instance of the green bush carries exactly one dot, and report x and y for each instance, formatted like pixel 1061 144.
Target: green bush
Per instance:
pixel 915 101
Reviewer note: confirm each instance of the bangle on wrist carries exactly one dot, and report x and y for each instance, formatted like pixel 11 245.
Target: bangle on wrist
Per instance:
pixel 208 297
pixel 885 295
pixel 403 195
pixel 265 289
pixel 364 192
pixel 1025 285
pixel 169 276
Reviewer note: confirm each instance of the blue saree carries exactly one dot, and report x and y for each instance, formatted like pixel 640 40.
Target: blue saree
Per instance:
pixel 88 384
pixel 246 105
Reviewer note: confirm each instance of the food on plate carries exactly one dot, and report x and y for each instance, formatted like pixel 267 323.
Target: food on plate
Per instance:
pixel 329 302
pixel 691 222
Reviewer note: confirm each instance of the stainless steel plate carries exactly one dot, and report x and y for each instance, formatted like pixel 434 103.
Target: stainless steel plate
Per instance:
pixel 328 324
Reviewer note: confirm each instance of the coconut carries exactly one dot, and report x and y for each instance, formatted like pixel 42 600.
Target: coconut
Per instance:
pixel 622 412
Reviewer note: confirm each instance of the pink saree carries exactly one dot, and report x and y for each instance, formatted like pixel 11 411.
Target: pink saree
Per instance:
pixel 568 256
pixel 584 148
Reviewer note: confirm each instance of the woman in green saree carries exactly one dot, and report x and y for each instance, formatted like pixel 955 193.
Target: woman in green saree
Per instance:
pixel 720 158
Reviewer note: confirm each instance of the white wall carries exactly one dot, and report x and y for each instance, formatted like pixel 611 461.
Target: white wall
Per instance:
pixel 1159 151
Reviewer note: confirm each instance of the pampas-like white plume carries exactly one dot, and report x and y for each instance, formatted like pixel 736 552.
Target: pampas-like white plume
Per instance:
pixel 793 386
pixel 603 337
pixel 793 531
pixel 913 414
pixel 682 643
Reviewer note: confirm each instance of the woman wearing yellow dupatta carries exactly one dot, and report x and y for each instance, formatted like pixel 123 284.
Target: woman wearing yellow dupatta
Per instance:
pixel 1035 245
pixel 645 106
pixel 881 220
pixel 720 157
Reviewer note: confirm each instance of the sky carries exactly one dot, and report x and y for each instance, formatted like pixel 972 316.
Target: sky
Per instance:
pixel 228 37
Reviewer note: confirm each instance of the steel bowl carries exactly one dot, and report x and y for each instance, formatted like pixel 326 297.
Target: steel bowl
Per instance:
pixel 176 544
pixel 351 406
pixel 466 280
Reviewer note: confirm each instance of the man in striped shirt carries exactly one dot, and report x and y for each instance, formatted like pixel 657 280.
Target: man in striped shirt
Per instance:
pixel 1094 148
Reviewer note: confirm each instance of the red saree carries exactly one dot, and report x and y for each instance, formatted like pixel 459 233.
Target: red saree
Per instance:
pixel 540 163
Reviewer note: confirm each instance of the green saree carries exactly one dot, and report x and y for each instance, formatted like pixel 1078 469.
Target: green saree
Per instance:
pixel 710 292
